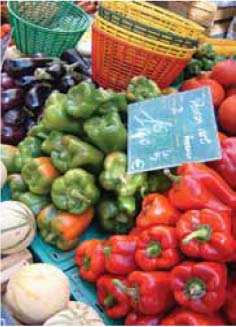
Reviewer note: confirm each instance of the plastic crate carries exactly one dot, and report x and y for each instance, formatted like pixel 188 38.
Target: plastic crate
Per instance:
pixel 48 27
pixel 115 62
pixel 142 41
pixel 145 30
pixel 157 17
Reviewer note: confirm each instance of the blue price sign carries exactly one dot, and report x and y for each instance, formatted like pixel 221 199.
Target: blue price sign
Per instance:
pixel 167 131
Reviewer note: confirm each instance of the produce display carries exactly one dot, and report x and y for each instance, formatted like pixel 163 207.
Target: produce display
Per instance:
pixel 155 247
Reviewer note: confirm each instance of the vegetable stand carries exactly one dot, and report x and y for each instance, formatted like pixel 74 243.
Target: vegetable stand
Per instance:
pixel 128 222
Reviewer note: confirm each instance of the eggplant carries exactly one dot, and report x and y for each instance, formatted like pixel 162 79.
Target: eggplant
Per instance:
pixel 36 98
pixel 29 123
pixel 24 66
pixel 12 135
pixel 81 65
pixel 7 82
pixel 11 98
pixel 14 117
pixel 26 82
pixel 56 70
pixel 66 83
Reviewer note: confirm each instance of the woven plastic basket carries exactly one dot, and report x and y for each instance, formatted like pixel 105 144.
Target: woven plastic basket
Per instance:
pixel 157 17
pixel 49 27
pixel 115 62
pixel 145 30
pixel 142 41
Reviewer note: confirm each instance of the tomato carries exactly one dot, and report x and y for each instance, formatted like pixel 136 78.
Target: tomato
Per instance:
pixel 231 90
pixel 6 28
pixel 227 115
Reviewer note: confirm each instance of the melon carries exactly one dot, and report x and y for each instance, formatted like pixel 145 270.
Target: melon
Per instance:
pixel 17 227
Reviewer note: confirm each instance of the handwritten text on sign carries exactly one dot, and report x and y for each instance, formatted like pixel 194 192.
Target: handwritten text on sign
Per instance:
pixel 167 131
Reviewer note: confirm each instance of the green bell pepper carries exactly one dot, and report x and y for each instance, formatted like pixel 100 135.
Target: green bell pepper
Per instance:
pixel 39 174
pixel 55 116
pixel 35 202
pixel 75 153
pixel 39 131
pixel 17 186
pixel 118 215
pixel 27 149
pixel 158 182
pixel 107 132
pixel 75 191
pixel 141 88
pixel 53 142
pixel 114 177
pixel 8 153
pixel 110 100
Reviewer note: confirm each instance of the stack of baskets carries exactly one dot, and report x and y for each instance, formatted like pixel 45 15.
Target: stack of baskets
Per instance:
pixel 133 38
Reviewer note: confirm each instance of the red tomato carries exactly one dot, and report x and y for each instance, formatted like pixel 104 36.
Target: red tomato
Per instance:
pixel 227 115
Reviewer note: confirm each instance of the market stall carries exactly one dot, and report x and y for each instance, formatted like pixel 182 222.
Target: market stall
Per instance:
pixel 118 164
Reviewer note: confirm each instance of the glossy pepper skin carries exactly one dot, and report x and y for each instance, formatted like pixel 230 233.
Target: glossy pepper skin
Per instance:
pixel 114 176
pixel 39 174
pixel 27 149
pixel 205 234
pixel 199 187
pixel 226 166
pixel 119 254
pixel 156 210
pixel 75 191
pixel 138 319
pixel 157 248
pixel 186 317
pixel 117 215
pixel 56 118
pixel 8 153
pixel 141 88
pixel 35 202
pixel 157 181
pixel 90 259
pixel 62 229
pixel 150 292
pixel 75 153
pixel 230 303
pixel 53 142
pixel 114 300
pixel 39 131
pixel 107 132
pixel 17 186
pixel 199 286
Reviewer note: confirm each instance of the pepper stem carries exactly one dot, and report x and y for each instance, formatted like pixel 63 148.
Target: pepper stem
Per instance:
pixel 153 249
pixel 195 288
pixel 201 234
pixel 132 291
pixel 86 262
pixel 77 194
pixel 172 177
pixel 107 251
pixel 109 301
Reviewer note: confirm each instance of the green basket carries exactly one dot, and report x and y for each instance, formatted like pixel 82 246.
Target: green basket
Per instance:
pixel 47 27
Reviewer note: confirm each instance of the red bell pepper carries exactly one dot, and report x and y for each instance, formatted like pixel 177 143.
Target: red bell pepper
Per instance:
pixel 186 317
pixel 149 292
pixel 226 166
pixel 230 303
pixel 156 210
pixel 119 254
pixel 135 231
pixel 114 300
pixel 157 248
pixel 138 319
pixel 199 187
pixel 199 286
pixel 90 258
pixel 205 234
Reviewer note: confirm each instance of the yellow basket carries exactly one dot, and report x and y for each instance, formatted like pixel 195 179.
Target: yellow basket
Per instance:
pixel 156 17
pixel 148 44
pixel 221 46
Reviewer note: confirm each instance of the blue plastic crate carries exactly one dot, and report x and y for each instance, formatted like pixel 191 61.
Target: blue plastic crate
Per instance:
pixel 86 292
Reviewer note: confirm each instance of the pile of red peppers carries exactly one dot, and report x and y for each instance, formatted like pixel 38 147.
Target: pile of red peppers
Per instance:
pixel 177 266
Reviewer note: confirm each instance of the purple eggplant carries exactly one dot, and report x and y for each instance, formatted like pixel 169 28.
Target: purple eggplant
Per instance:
pixel 56 70
pixel 7 82
pixel 26 82
pixel 36 98
pixel 29 123
pixel 11 98
pixel 66 83
pixel 81 65
pixel 24 66
pixel 14 117
pixel 12 135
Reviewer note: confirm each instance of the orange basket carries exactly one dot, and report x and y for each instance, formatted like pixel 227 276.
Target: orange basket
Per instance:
pixel 115 62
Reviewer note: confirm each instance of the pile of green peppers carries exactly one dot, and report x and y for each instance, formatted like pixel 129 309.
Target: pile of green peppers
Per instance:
pixel 82 136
